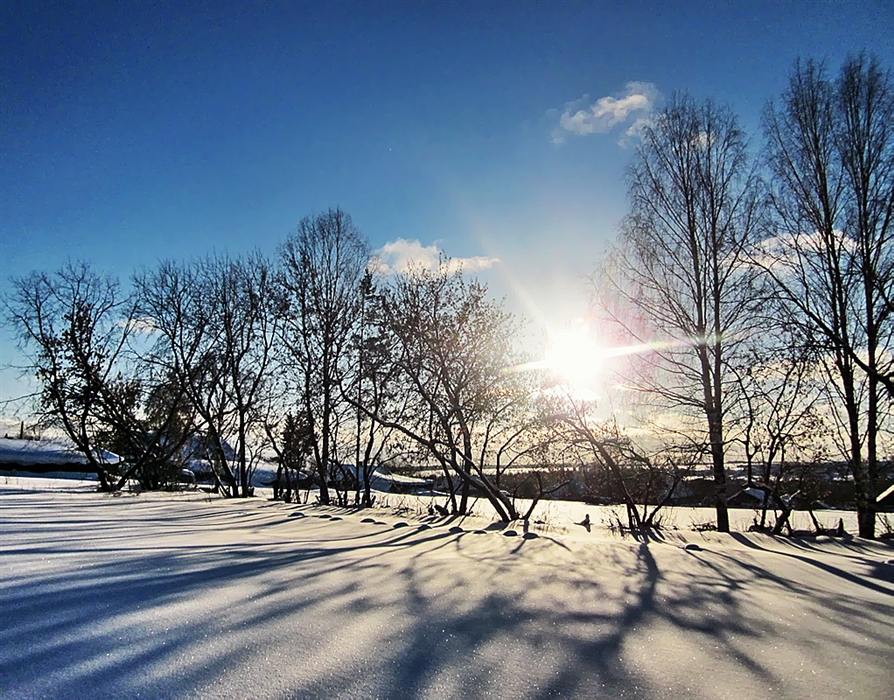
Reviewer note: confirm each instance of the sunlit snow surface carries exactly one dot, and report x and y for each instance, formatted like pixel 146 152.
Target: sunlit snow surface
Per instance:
pixel 181 595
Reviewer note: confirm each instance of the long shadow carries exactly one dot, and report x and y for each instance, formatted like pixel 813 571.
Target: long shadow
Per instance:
pixel 887 575
pixel 398 613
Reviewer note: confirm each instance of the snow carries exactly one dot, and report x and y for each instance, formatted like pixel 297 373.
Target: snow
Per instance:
pixel 186 595
pixel 48 451
pixel 385 480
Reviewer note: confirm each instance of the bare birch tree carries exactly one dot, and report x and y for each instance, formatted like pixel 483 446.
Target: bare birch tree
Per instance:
pixel 679 272
pixel 830 148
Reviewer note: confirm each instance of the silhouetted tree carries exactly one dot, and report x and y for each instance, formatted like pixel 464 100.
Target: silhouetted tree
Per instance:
pixel 323 264
pixel 831 152
pixel 679 272
pixel 645 482
pixel 74 326
pixel 370 383
pixel 215 324
pixel 451 347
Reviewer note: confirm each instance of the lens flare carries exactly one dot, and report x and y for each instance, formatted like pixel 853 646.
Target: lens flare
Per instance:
pixel 574 357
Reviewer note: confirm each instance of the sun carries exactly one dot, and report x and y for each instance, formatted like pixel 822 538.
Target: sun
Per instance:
pixel 574 357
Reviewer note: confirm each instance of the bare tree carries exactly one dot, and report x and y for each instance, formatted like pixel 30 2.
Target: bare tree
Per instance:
pixel 68 326
pixel 679 274
pixel 639 478
pixel 75 325
pixel 830 147
pixel 779 419
pixel 452 347
pixel 172 302
pixel 371 383
pixel 247 299
pixel 215 324
pixel 323 264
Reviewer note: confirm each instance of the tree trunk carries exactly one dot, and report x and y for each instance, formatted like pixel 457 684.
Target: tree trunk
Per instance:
pixel 719 475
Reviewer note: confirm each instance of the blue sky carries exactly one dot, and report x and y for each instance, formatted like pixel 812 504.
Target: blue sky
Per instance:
pixel 133 131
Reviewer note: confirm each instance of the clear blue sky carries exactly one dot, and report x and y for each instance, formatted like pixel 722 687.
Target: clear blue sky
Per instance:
pixel 138 130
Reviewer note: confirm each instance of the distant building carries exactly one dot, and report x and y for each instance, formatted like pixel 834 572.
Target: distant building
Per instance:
pixel 749 497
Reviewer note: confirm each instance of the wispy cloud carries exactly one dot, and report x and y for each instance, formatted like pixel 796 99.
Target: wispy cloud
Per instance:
pixel 139 325
pixel 401 255
pixel 781 253
pixel 631 108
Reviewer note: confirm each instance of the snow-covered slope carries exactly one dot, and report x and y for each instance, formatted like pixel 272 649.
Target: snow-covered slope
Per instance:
pixel 180 595
pixel 47 452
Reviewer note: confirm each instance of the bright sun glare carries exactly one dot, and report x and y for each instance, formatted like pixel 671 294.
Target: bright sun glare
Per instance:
pixel 575 358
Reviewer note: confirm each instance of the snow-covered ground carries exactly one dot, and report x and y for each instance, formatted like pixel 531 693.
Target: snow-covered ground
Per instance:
pixel 47 452
pixel 185 595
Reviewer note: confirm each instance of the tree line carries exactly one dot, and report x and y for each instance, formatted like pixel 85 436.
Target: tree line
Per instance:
pixel 753 292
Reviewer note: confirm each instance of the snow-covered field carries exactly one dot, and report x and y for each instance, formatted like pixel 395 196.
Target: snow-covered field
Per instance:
pixel 184 595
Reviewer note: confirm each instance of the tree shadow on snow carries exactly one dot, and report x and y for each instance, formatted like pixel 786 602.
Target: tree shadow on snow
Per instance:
pixel 312 608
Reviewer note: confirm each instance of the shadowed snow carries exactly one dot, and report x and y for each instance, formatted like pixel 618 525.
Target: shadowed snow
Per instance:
pixel 182 595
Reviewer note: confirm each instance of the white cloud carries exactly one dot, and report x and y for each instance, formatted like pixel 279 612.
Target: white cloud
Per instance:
pixel 634 131
pixel 637 102
pixel 783 252
pixel 140 325
pixel 401 255
pixel 787 246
